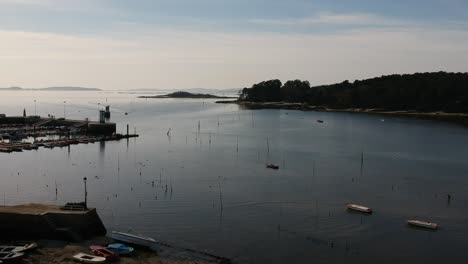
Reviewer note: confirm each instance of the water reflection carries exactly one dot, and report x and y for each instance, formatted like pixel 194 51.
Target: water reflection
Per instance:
pixel 205 184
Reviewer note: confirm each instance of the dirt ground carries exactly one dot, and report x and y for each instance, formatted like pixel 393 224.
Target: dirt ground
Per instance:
pixel 61 252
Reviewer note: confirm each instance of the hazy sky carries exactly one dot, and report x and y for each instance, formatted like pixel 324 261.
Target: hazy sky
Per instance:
pixel 119 44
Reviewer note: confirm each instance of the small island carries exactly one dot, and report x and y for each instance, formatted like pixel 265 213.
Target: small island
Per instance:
pixel 181 94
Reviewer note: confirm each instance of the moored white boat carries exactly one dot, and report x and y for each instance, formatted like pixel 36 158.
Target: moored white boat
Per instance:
pixel 359 208
pixel 424 224
pixel 85 258
pixel 134 239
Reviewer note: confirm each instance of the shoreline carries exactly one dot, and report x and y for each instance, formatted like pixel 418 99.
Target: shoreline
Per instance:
pixel 460 118
pixel 53 251
pixel 188 97
pixel 62 233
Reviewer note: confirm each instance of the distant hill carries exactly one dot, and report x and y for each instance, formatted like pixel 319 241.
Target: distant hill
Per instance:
pixel 182 94
pixel 59 88
pixel 11 89
pixel 218 92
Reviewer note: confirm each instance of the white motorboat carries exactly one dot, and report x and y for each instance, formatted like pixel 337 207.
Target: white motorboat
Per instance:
pixel 359 208
pixel 424 224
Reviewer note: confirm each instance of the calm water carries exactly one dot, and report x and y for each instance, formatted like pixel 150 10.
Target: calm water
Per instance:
pixel 221 198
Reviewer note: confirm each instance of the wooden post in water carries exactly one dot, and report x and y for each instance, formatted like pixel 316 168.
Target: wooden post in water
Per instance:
pixel 313 169
pixel 220 193
pixel 268 146
pixel 85 193
pixel 362 161
pixel 284 161
pixel 253 123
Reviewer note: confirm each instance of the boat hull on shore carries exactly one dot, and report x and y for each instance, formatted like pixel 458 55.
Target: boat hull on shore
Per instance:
pixel 10 257
pixel 104 252
pixel 121 249
pixel 134 239
pixel 85 258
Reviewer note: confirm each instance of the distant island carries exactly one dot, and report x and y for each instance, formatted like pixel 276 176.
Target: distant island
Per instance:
pixel 181 94
pixel 59 88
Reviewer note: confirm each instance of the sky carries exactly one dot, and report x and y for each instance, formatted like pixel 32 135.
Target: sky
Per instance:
pixel 181 44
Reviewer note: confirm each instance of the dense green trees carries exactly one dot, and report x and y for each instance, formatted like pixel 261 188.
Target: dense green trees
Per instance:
pixel 439 91
pixel 266 91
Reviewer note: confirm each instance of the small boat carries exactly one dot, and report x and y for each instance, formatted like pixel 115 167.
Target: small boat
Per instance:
pixel 104 252
pixel 272 166
pixel 24 246
pixel 17 247
pixel 359 208
pixel 7 249
pixel 10 256
pixel 423 224
pixel 121 249
pixel 85 258
pixel 319 121
pixel 133 239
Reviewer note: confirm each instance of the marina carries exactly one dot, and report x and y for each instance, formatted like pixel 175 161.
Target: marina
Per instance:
pixel 15 131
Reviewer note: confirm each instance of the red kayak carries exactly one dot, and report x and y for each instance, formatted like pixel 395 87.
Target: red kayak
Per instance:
pixel 104 252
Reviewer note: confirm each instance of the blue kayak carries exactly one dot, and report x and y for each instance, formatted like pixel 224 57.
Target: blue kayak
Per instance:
pixel 120 248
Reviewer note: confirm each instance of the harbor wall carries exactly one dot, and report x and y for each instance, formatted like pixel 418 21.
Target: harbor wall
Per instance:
pixel 36 221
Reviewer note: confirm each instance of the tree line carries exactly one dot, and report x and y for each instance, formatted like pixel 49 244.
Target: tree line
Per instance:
pixel 437 91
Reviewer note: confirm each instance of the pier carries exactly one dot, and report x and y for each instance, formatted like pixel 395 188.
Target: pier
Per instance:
pixel 38 221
